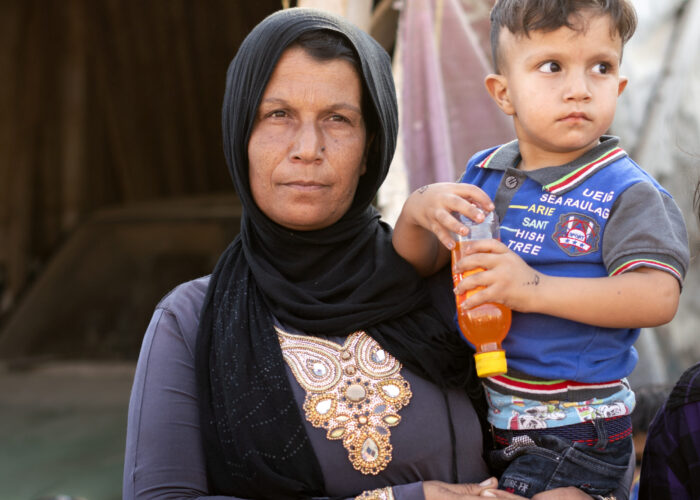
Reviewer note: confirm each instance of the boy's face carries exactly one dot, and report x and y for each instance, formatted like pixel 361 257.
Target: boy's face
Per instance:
pixel 561 88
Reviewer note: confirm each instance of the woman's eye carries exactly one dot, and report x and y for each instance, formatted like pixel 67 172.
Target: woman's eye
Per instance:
pixel 601 68
pixel 549 67
pixel 339 118
pixel 278 113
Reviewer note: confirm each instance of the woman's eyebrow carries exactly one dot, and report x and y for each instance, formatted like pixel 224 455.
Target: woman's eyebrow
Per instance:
pixel 336 105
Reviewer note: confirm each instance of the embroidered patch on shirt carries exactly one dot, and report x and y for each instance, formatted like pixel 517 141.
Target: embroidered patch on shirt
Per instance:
pixel 577 234
pixel 354 391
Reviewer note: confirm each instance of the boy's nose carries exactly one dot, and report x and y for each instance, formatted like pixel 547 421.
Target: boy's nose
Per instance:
pixel 307 143
pixel 577 88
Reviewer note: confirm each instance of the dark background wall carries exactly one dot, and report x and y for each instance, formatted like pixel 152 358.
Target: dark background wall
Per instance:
pixel 108 104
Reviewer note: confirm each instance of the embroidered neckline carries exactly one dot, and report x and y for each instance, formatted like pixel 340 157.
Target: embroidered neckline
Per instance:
pixel 354 391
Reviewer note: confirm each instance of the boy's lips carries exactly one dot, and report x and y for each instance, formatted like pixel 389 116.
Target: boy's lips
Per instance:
pixel 576 116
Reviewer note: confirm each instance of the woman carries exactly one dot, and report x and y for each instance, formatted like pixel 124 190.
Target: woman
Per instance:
pixel 672 449
pixel 313 362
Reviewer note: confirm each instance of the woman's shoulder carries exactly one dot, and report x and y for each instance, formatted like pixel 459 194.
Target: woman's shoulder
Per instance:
pixel 188 295
pixel 183 304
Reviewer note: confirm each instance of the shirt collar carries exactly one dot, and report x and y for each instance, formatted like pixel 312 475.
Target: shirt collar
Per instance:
pixel 563 178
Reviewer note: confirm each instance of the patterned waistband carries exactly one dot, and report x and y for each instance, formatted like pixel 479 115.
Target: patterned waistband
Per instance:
pixel 548 390
pixel 616 428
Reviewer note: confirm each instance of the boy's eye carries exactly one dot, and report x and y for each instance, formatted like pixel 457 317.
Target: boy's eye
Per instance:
pixel 601 68
pixel 549 67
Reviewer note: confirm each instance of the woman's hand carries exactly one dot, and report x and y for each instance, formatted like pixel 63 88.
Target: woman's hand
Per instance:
pixel 506 279
pixel 570 493
pixel 437 490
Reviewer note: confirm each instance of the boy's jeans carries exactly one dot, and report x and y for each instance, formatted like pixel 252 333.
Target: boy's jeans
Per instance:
pixel 537 462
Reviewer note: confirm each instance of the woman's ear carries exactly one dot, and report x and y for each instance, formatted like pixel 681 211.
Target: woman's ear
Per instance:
pixel 497 87
pixel 370 140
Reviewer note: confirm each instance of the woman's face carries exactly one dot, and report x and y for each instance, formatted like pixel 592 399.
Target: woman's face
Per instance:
pixel 307 148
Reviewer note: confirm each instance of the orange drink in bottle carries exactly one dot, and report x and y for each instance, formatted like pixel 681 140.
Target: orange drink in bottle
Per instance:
pixel 486 325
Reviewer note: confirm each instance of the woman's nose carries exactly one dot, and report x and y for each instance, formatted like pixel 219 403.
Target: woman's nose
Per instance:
pixel 308 144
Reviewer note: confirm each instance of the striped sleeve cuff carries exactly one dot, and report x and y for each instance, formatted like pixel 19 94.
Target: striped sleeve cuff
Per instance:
pixel 662 263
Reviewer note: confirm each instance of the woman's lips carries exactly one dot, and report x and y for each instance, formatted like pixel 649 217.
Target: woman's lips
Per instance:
pixel 304 185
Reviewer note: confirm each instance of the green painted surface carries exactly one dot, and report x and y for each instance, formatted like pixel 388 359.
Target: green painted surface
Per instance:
pixel 62 430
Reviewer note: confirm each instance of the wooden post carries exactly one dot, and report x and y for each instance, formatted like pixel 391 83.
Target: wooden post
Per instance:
pixel 73 117
pixel 358 12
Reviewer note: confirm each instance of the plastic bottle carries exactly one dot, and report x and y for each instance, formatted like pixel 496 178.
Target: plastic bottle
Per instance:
pixel 486 325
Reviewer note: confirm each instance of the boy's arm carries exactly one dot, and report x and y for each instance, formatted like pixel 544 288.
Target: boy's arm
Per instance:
pixel 643 297
pixel 422 231
pixel 645 233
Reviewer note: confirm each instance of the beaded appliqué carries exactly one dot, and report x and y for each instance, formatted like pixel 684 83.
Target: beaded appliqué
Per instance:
pixel 379 494
pixel 354 391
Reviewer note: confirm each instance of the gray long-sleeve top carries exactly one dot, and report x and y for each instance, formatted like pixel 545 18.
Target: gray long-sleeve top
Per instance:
pixel 164 455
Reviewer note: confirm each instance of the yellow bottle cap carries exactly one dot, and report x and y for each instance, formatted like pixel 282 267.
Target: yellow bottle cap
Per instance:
pixel 490 363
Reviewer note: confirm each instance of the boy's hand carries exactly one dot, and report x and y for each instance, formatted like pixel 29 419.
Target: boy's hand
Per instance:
pixel 432 208
pixel 422 232
pixel 507 279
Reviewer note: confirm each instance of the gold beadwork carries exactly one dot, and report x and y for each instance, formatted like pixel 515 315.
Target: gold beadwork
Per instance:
pixel 354 391
pixel 379 494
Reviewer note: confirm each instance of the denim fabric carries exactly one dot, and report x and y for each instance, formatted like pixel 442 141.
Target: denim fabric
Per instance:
pixel 536 463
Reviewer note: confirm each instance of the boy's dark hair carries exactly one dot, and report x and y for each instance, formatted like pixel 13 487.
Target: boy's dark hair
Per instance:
pixel 523 16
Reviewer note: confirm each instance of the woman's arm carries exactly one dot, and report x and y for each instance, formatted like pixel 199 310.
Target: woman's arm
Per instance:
pixel 164 457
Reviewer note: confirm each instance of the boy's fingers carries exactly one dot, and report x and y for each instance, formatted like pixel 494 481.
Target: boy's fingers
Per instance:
pixel 474 299
pixel 443 234
pixel 471 257
pixel 468 209
pixel 445 238
pixel 476 195
pixel 486 246
pixel 451 223
pixel 470 283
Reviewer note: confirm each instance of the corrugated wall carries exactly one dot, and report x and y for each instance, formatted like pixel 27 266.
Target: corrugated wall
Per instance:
pixel 105 103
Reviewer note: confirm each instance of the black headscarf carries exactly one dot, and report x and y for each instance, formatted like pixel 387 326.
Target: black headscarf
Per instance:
pixel 333 281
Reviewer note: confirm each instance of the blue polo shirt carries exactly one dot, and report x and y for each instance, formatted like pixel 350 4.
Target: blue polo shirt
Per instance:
pixel 600 215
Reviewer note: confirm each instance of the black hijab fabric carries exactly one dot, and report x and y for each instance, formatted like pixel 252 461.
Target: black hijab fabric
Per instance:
pixel 332 281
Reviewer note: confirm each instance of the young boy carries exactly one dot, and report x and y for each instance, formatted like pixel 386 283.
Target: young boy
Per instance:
pixel 592 248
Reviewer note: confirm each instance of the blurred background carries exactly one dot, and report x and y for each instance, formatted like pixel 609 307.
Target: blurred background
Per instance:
pixel 114 189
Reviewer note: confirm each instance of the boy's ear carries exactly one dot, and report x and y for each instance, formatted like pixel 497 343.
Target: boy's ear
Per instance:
pixel 622 83
pixel 497 87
